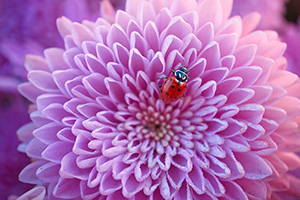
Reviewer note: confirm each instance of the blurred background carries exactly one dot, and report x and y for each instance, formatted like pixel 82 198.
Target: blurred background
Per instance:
pixel 29 26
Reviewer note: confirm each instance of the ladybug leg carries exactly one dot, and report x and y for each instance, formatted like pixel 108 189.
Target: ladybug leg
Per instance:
pixel 173 71
pixel 159 86
pixel 182 96
pixel 163 78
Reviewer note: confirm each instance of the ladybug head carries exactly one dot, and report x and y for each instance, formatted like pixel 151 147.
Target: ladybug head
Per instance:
pixel 184 69
pixel 182 74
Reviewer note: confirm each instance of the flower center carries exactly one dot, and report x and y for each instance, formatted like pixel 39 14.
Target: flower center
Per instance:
pixel 157 126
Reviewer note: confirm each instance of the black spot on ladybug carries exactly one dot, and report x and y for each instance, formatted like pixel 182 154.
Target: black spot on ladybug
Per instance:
pixel 178 83
pixel 171 79
pixel 178 90
pixel 167 93
pixel 185 86
pixel 175 97
pixel 161 91
pixel 165 82
pixel 172 86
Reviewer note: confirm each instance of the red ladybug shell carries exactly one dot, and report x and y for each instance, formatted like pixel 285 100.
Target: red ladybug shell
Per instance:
pixel 172 90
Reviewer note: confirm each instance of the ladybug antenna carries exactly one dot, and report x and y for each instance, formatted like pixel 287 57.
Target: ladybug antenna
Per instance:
pixel 184 68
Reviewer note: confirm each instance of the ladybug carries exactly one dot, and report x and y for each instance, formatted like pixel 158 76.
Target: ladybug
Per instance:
pixel 174 87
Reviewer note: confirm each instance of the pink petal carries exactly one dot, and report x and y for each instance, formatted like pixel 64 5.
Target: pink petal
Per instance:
pixel 69 168
pixel 212 10
pixel 81 63
pixel 42 80
pixel 109 185
pixel 290 159
pixel 62 76
pixel 233 25
pixel 240 95
pixel 291 105
pixel 48 172
pixel 86 161
pixel 81 144
pixel 89 109
pixel 104 54
pixel 67 188
pixel 55 112
pixel 156 66
pixel 228 61
pixel 89 47
pixel 251 112
pixel 145 13
pixel 255 167
pixel 131 186
pixel 107 11
pixel 88 192
pixel 177 27
pixel 95 84
pixel 132 7
pixel 141 171
pixel 227 43
pixel 116 195
pixel 226 8
pixel 234 191
pixel 218 168
pixel 116 91
pixel 117 35
pixel 45 100
pixel 217 75
pixel 253 188
pixel 119 169
pixel 228 85
pixel 196 180
pixel 205 33
pixel 250 22
pixel 33 62
pixel 151 35
pixel 64 26
pixel 81 33
pixel 277 114
pixel 165 189
pixel 176 176
pixel 38 192
pixel 212 55
pixel 56 151
pixel 109 150
pixel 137 41
pixel 47 133
pixel 238 144
pixel 273 49
pixel 123 18
pixel 94 178
pixel 213 184
pixel 169 44
pixel 235 167
pixel 261 94
pixel 54 58
pixel 35 148
pixel 28 174
pixel 69 57
pixel 137 62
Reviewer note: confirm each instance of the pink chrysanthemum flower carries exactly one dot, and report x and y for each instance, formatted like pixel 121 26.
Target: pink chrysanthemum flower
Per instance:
pixel 101 131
